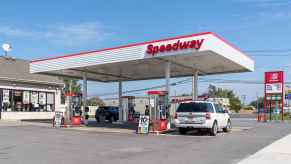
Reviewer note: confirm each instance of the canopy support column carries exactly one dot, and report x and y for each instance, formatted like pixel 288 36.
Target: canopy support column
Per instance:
pixel 168 101
pixel 195 85
pixel 120 113
pixel 84 94
pixel 168 76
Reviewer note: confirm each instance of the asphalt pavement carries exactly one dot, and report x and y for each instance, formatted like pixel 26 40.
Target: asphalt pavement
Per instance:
pixel 29 144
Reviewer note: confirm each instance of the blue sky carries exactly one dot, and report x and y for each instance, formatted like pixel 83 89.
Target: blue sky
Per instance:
pixel 40 29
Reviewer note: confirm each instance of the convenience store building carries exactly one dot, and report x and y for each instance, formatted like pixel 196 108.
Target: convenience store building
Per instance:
pixel 24 95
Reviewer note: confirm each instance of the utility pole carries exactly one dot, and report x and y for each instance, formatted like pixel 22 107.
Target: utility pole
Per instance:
pixel 244 99
pixel 175 99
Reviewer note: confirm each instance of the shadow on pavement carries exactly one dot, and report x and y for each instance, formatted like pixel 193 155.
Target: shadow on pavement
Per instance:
pixel 114 125
pixel 48 121
pixel 189 133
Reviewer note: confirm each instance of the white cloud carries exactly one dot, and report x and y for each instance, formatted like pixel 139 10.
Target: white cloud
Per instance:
pixel 77 34
pixel 260 1
pixel 62 34
pixel 264 13
pixel 266 3
pixel 14 32
pixel 275 15
pixel 257 1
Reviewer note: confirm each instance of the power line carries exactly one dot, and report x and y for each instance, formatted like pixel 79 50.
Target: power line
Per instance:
pixel 269 55
pixel 255 53
pixel 188 80
pixel 185 81
pixel 267 50
pixel 146 89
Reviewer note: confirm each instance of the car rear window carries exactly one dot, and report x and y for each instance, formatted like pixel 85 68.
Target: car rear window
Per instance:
pixel 103 108
pixel 195 107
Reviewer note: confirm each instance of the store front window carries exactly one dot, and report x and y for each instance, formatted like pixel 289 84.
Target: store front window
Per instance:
pixel 26 101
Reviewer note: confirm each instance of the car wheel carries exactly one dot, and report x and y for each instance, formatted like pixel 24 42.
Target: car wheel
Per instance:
pixel 214 129
pixel 112 119
pixel 101 119
pixel 228 127
pixel 183 130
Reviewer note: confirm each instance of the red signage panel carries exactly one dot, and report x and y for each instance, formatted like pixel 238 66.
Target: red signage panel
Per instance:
pixel 274 77
pixel 69 94
pixel 274 92
pixel 161 93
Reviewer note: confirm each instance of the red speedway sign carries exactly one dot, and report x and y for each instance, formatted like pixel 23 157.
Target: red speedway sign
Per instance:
pixel 179 45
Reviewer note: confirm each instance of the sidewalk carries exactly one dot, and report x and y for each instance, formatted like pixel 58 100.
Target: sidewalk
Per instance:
pixel 110 129
pixel 11 123
pixel 278 152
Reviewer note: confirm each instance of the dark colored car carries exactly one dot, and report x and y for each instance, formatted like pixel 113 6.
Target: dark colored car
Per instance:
pixel 109 113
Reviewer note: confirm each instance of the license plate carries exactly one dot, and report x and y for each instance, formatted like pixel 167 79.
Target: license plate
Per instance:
pixel 197 120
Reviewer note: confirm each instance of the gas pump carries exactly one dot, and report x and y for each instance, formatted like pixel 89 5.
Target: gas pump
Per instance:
pixel 74 103
pixel 128 108
pixel 77 104
pixel 159 110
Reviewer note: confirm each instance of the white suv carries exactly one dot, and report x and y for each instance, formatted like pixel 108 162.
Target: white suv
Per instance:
pixel 202 115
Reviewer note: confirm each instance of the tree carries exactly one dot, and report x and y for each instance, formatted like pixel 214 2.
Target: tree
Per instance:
pixel 234 101
pixel 259 103
pixel 95 101
pixel 211 91
pixel 185 94
pixel 71 85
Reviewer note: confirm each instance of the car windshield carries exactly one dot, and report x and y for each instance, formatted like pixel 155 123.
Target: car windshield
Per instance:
pixel 103 108
pixel 195 107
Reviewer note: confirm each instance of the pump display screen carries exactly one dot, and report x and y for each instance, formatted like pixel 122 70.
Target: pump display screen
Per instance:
pixel 195 107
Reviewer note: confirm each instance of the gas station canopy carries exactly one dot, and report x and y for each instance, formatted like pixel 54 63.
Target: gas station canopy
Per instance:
pixel 205 52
